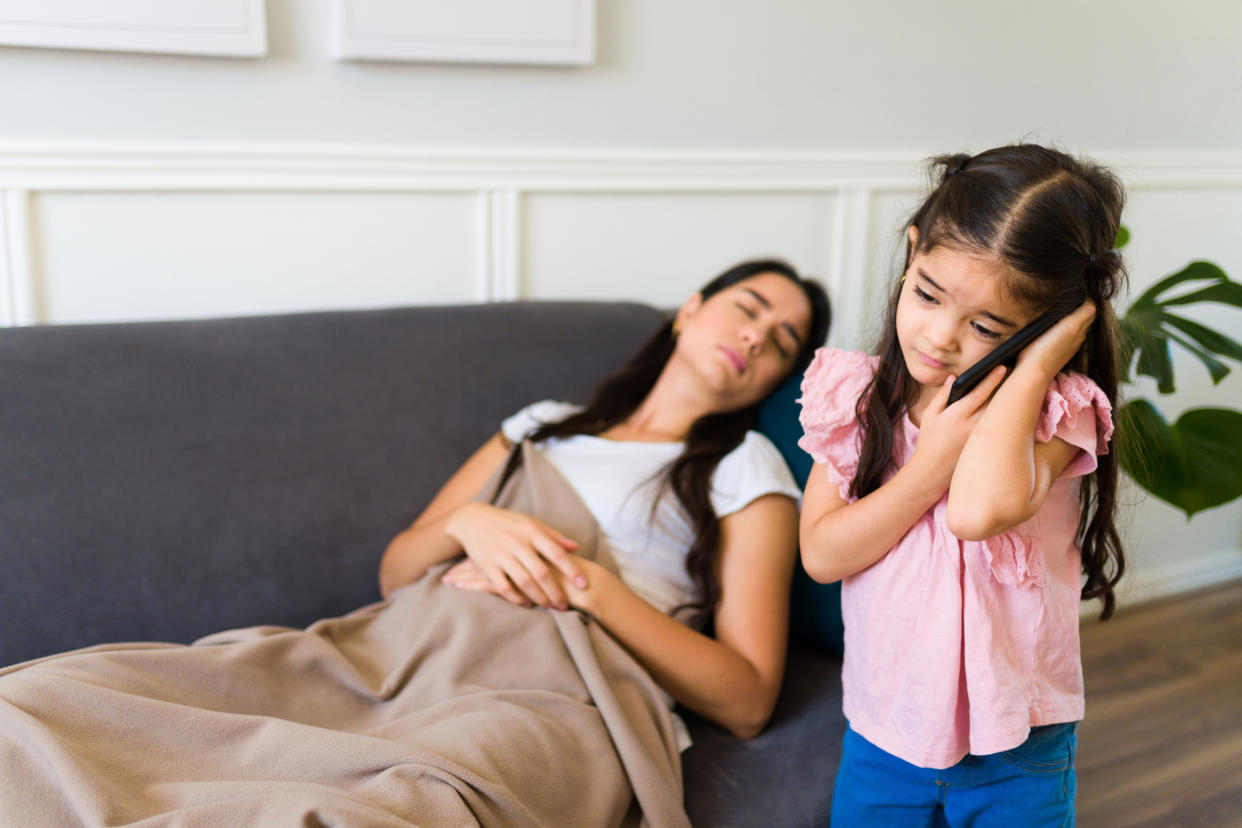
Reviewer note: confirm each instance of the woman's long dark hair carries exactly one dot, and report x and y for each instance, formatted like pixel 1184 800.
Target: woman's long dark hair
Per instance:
pixel 711 437
pixel 1053 219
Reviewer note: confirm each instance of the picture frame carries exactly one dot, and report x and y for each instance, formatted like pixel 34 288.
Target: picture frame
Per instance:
pixel 549 32
pixel 222 28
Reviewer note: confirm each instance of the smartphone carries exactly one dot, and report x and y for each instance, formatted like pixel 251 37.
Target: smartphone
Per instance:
pixel 1007 353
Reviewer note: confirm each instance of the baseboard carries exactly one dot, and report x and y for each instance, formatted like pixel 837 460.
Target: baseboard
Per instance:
pixel 1166 580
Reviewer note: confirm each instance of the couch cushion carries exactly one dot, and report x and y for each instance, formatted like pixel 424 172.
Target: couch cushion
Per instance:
pixel 161 481
pixel 814 608
pixel 784 775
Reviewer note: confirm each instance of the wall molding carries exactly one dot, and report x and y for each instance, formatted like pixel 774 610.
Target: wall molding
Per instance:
pixel 18 283
pixel 52 166
pixel 500 178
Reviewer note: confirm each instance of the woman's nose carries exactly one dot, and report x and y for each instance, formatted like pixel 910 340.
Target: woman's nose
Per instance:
pixel 752 338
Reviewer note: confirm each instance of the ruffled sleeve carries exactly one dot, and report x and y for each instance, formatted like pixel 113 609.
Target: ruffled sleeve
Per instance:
pixel 753 469
pixel 1015 559
pixel 831 388
pixel 1076 410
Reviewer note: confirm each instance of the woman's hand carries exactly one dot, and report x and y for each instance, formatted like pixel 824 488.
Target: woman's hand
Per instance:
pixel 468 575
pixel 523 559
pixel 1057 345
pixel 944 428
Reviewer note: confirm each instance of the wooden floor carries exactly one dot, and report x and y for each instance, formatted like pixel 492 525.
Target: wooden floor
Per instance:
pixel 1161 744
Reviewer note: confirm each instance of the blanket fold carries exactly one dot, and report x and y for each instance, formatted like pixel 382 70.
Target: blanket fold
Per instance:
pixel 437 707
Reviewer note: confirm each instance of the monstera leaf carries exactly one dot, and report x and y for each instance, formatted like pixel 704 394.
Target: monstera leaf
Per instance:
pixel 1150 325
pixel 1194 463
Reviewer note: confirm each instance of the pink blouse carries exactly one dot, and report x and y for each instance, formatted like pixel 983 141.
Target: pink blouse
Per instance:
pixel 952 646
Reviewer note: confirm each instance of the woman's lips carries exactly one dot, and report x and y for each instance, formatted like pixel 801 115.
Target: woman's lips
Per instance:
pixel 739 361
pixel 929 362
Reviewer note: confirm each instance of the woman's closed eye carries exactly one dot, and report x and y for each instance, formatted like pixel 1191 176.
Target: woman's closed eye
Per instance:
pixel 774 337
pixel 924 295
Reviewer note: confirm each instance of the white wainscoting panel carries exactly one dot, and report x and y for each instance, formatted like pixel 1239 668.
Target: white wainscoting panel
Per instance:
pixel 111 256
pixel 661 247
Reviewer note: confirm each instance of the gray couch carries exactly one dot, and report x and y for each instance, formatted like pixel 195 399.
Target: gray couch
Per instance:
pixel 160 481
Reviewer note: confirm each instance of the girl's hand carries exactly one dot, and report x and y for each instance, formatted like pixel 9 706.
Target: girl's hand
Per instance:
pixel 1057 345
pixel 944 428
pixel 524 560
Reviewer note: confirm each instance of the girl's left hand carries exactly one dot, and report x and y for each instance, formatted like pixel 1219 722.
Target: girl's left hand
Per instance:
pixel 469 576
pixel 1057 345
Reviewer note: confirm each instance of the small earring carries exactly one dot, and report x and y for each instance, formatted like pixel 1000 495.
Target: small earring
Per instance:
pixel 903 278
pixel 676 327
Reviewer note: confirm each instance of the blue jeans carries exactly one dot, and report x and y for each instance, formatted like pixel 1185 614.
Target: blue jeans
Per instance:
pixel 1032 785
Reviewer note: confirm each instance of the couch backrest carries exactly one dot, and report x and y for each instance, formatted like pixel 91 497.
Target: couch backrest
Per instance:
pixel 160 481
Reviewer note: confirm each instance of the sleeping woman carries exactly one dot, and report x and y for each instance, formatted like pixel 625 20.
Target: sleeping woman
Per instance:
pixel 540 617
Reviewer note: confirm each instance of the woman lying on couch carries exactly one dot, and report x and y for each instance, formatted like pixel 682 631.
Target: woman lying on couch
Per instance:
pixel 445 704
pixel 701 510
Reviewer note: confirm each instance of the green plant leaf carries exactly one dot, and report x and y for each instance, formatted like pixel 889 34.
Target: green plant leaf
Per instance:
pixel 1215 342
pixel 1148 326
pixel 1154 360
pixel 1216 368
pixel 1193 271
pixel 1123 237
pixel 1193 464
pixel 1226 293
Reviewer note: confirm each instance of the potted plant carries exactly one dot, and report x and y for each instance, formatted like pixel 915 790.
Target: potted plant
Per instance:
pixel 1194 463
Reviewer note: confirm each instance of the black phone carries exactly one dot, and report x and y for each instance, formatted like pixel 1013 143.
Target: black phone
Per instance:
pixel 1007 353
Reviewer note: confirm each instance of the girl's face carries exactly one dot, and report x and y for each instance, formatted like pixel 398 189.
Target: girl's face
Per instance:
pixel 952 312
pixel 741 341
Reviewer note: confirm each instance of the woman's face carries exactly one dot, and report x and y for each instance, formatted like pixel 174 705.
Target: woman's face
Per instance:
pixel 743 340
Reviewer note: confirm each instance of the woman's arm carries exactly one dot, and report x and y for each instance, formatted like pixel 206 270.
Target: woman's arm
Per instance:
pixel 840 538
pixel 512 550
pixel 732 679
pixel 1004 473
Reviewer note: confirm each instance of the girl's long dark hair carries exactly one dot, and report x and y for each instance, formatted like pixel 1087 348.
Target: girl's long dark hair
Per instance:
pixel 711 437
pixel 1053 219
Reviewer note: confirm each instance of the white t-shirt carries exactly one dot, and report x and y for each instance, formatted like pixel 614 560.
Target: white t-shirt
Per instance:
pixel 619 480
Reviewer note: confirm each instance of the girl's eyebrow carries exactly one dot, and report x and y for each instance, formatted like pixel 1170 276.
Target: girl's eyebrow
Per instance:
pixel 1000 320
pixel 768 305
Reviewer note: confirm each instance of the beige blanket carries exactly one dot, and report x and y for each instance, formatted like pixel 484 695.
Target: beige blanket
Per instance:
pixel 437 707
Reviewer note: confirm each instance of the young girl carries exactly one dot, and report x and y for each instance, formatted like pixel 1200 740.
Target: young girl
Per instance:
pixel 964 532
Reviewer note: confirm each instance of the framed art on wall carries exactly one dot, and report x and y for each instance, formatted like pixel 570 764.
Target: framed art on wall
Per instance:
pixel 474 31
pixel 232 28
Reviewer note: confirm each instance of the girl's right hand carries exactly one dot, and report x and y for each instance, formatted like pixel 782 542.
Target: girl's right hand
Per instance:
pixel 944 428
pixel 515 552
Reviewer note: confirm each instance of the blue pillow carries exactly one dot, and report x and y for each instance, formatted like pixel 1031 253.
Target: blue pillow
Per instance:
pixel 815 609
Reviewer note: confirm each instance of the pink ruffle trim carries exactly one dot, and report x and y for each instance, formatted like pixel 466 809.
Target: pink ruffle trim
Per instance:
pixel 1067 397
pixel 1015 559
pixel 831 388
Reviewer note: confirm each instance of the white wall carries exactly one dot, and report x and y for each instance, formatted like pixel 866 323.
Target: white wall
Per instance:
pixel 812 74
pixel 153 186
